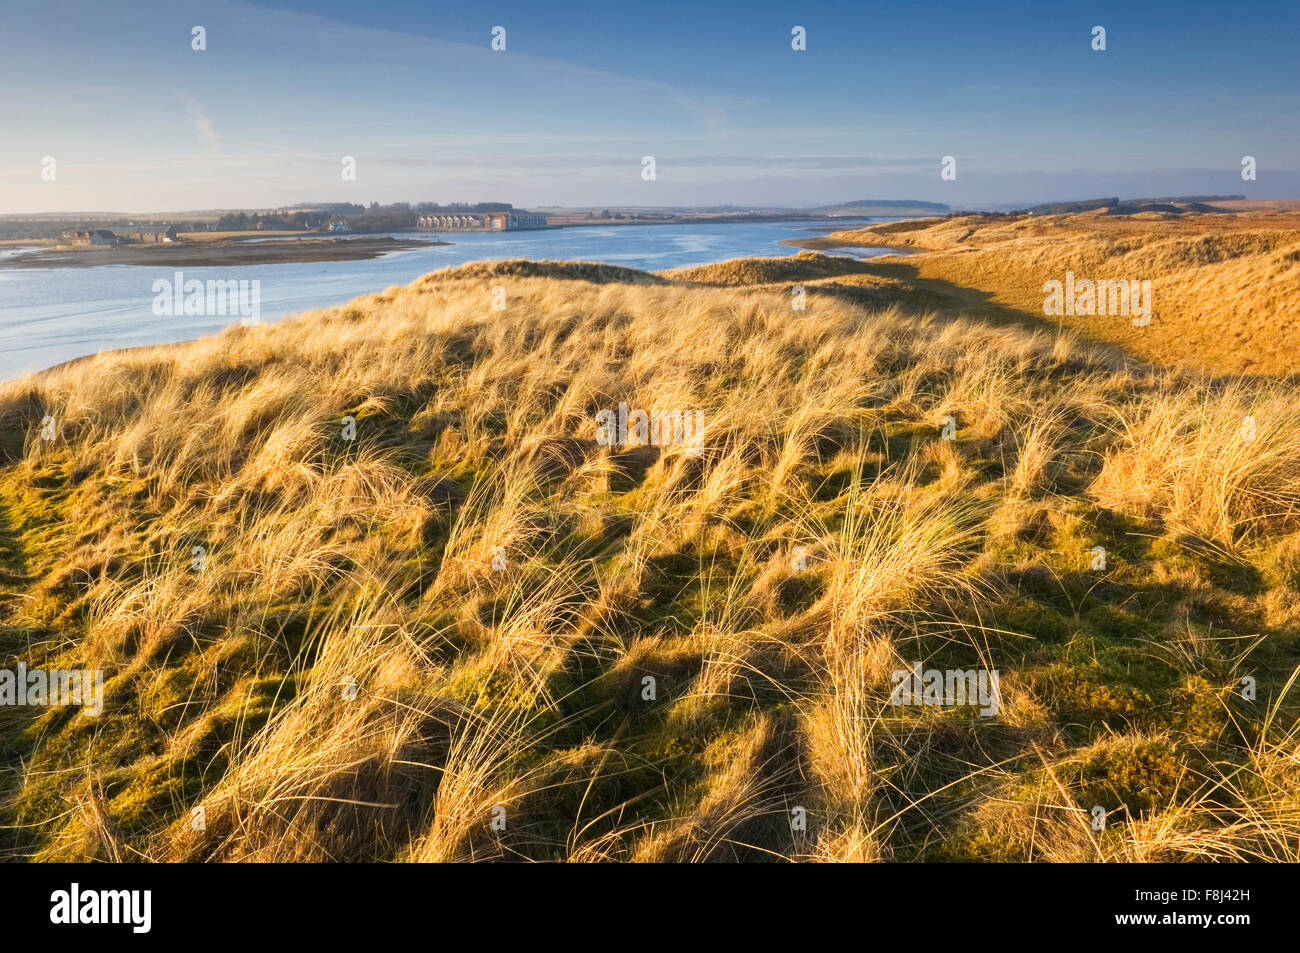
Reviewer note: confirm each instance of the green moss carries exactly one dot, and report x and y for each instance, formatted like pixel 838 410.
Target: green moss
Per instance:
pixel 164 698
pixel 1079 697
pixel 1115 623
pixel 1032 618
pixel 972 843
pixel 1198 711
pixel 153 795
pixel 1224 569
pixel 1140 777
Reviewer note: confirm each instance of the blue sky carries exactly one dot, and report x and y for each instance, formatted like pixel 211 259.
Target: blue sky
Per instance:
pixel 138 121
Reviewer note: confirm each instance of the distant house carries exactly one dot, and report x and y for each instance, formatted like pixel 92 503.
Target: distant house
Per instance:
pixel 339 226
pixel 525 220
pixel 154 235
pixel 90 236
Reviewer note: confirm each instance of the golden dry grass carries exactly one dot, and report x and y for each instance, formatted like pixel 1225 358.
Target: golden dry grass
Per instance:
pixel 1226 286
pixel 475 633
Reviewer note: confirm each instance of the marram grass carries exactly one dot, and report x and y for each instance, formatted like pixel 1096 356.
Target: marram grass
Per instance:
pixel 476 633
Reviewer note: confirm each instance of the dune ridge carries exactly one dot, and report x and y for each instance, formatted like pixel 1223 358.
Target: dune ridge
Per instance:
pixel 1226 284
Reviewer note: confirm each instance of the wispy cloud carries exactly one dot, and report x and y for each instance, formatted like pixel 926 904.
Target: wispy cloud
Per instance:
pixel 208 137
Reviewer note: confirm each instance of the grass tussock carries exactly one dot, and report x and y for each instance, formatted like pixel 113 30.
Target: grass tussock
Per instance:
pixel 475 631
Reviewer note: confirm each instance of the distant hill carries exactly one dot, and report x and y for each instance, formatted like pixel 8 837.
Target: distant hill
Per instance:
pixel 1116 206
pixel 1070 208
pixel 1192 199
pixel 884 207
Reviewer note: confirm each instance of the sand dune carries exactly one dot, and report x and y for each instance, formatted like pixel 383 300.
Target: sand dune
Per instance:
pixel 477 631
pixel 1226 285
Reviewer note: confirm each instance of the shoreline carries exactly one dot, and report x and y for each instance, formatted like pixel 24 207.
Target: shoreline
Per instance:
pixel 830 243
pixel 218 253
pixel 246 250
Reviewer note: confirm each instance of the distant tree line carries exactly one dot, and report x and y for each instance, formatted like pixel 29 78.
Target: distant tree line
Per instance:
pixel 277 221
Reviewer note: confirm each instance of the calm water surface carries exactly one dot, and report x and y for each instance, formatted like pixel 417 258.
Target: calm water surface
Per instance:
pixel 48 315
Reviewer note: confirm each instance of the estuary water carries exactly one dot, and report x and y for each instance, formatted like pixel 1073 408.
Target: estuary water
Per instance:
pixel 49 315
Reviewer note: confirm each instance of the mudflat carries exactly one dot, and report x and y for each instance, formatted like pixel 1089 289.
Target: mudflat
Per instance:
pixel 222 252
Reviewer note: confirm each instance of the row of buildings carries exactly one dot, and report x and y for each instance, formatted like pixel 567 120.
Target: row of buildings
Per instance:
pixel 449 222
pixel 481 221
pixel 104 236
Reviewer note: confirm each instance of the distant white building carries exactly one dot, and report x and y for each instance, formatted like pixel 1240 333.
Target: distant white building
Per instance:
pixel 481 221
pixel 338 225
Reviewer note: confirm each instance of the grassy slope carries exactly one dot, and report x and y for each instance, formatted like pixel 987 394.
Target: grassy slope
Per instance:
pixel 370 563
pixel 1226 287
